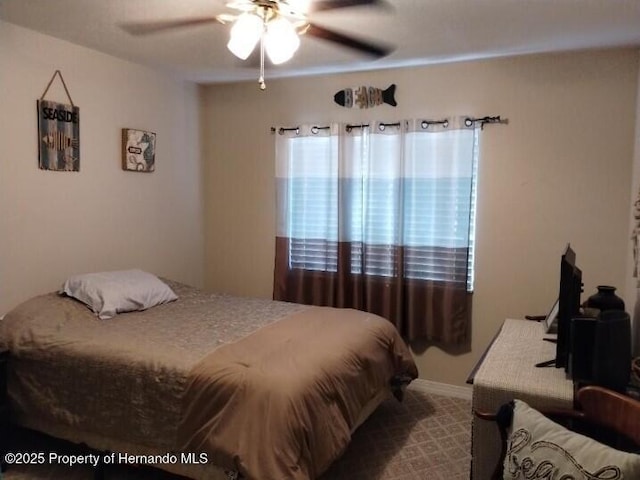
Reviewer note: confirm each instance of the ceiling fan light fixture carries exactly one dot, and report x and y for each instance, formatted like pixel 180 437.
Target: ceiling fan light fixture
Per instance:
pixel 281 40
pixel 298 6
pixel 245 34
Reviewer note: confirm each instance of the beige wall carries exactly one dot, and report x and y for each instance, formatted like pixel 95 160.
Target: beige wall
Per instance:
pixel 53 224
pixel 558 172
pixel 632 292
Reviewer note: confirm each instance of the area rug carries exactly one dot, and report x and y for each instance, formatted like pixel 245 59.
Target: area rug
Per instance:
pixel 426 437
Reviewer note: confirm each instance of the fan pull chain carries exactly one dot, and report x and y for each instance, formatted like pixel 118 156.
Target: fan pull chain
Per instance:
pixel 263 86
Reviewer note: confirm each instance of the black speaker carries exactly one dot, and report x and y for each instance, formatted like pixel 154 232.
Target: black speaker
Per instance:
pixel 581 350
pixel 600 350
pixel 612 351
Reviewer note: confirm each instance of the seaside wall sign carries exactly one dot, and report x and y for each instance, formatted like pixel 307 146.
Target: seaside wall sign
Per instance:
pixel 58 132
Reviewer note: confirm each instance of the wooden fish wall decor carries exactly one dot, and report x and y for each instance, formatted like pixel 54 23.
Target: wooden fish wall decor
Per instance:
pixel 366 97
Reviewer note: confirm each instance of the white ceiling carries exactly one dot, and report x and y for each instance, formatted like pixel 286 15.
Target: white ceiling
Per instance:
pixel 422 31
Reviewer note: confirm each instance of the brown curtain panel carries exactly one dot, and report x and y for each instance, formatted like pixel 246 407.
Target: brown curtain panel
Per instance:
pixel 420 309
pixel 380 220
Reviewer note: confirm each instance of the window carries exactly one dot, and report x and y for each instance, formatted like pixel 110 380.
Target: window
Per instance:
pixel 411 189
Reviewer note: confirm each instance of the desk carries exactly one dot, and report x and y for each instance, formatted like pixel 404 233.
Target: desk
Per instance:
pixel 508 371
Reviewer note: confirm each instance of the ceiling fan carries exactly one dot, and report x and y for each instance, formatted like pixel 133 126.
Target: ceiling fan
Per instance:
pixel 274 25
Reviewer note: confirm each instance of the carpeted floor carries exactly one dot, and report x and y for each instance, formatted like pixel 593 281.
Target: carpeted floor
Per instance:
pixel 426 437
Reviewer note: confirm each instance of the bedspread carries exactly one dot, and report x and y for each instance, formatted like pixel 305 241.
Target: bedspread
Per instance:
pixel 145 383
pixel 121 378
pixel 296 387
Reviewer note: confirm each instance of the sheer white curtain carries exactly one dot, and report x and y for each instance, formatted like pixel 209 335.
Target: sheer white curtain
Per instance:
pixel 380 217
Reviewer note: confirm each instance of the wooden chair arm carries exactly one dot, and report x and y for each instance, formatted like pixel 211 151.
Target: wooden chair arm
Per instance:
pixel 559 413
pixel 612 410
pixel 490 417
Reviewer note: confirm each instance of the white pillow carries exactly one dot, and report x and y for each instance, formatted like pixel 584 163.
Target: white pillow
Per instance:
pixel 109 293
pixel 537 444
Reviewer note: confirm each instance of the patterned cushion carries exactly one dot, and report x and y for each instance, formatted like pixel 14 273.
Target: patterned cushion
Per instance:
pixel 540 448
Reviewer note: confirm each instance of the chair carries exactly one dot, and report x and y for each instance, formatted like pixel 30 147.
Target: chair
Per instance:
pixel 603 415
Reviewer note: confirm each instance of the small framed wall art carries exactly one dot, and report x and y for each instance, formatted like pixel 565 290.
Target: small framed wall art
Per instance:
pixel 138 150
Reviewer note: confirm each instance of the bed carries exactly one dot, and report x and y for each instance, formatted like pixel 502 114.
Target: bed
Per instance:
pixel 231 387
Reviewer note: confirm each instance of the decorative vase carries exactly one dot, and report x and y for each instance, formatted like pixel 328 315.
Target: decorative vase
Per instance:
pixel 605 299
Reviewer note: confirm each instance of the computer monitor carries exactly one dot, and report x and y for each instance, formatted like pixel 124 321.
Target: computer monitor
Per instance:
pixel 568 304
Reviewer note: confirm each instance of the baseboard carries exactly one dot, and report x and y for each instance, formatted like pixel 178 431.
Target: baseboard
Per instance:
pixel 438 388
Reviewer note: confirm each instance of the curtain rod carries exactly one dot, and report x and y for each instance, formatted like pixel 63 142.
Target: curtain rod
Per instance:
pixel 485 120
pixel 282 130
pixel 350 127
pixel 468 122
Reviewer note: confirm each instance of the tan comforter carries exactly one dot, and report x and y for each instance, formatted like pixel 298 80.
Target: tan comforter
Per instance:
pixel 122 378
pixel 123 381
pixel 296 386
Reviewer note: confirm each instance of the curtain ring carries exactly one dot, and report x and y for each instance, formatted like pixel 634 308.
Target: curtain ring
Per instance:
pixel 468 122
pixel 314 130
pixel 348 128
pixel 381 127
pixel 297 130
pixel 426 123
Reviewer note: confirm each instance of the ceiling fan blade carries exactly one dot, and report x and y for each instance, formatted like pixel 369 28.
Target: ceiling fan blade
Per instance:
pixel 322 5
pixel 376 50
pixel 145 28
